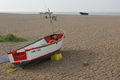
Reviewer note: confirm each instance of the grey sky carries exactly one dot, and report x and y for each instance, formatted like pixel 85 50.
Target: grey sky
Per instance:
pixel 60 5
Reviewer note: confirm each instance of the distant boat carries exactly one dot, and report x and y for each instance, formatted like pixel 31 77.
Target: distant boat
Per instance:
pixel 84 13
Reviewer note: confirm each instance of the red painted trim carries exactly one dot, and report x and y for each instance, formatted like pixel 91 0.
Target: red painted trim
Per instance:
pixel 30 49
pixel 12 52
pixel 24 51
pixel 35 58
pixel 9 52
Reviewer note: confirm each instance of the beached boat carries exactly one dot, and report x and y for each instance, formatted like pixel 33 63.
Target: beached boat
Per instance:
pixel 38 50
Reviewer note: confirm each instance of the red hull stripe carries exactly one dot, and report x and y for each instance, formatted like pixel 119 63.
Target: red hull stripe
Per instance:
pixel 35 58
pixel 24 51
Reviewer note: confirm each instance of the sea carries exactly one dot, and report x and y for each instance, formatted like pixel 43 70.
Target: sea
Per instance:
pixel 70 13
pixel 90 13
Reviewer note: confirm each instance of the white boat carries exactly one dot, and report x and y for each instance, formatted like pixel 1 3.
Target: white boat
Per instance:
pixel 37 50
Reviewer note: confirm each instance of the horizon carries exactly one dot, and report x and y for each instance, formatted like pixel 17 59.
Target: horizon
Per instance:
pixel 65 13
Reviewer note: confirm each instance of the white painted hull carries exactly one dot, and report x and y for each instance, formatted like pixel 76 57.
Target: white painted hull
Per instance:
pixel 35 51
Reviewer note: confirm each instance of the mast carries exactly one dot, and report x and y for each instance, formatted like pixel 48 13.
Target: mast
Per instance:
pixel 50 17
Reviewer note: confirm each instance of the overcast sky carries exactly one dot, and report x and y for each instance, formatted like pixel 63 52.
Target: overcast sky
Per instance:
pixel 60 5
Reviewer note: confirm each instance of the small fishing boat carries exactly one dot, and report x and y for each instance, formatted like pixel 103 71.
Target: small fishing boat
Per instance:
pixel 38 50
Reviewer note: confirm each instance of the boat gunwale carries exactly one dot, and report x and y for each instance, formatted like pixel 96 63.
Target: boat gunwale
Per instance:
pixel 43 45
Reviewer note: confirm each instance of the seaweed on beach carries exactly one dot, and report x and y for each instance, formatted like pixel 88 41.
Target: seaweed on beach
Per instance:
pixel 11 38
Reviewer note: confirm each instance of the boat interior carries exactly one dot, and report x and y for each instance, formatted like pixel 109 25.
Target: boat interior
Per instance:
pixel 46 40
pixel 53 36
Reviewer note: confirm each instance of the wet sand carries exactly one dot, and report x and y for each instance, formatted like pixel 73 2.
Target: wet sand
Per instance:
pixel 91 39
